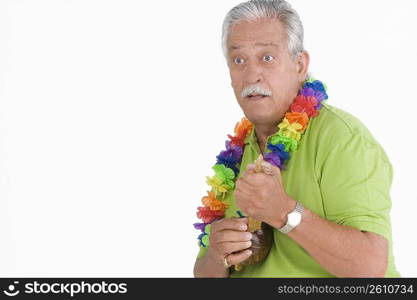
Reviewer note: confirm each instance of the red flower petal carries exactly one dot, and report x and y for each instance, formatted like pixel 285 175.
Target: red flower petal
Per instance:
pixel 208 215
pixel 305 104
pixel 236 140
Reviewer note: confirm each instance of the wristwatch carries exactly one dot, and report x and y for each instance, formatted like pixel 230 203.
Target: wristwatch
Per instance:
pixel 293 219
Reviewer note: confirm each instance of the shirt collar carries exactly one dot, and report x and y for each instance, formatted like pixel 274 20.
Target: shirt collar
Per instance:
pixel 251 137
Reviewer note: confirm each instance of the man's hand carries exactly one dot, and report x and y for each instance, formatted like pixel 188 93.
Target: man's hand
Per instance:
pixel 262 196
pixel 229 239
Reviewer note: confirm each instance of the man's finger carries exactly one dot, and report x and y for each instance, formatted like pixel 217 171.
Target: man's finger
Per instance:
pixel 237 258
pixel 264 167
pixel 230 247
pixel 244 183
pixel 232 236
pixel 238 224
pixel 251 168
pixel 270 169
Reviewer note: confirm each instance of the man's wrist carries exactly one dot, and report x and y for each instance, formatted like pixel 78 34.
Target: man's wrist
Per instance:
pixel 288 207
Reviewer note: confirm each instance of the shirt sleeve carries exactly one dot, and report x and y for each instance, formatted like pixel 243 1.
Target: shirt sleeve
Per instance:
pixel 355 183
pixel 202 252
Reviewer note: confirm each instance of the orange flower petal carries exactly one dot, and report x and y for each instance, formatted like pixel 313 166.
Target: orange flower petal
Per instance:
pixel 296 117
pixel 213 203
pixel 243 127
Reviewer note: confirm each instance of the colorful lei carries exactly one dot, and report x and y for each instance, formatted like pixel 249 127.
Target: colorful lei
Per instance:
pixel 306 105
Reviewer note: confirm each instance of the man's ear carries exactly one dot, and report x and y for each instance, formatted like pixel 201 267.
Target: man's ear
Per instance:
pixel 302 63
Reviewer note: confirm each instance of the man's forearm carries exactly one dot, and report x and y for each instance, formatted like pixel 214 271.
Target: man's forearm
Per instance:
pixel 207 267
pixel 341 250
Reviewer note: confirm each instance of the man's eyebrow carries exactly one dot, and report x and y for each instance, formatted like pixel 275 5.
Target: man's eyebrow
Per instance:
pixel 234 47
pixel 265 44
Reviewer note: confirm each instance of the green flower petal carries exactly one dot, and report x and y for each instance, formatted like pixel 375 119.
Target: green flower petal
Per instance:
pixel 229 173
pixel 290 144
pixel 224 173
pixel 205 240
pixel 207 229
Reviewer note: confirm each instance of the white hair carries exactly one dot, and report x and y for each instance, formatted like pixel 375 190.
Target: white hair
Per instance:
pixel 254 88
pixel 267 9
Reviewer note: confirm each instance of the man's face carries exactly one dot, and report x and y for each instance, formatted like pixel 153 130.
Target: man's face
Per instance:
pixel 258 55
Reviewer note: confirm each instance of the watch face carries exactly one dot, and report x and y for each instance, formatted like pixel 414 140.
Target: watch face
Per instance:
pixel 294 219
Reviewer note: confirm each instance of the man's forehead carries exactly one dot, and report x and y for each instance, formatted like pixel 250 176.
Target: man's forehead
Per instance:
pixel 261 33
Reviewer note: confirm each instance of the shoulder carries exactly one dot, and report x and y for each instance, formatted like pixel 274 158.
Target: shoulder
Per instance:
pixel 337 131
pixel 337 126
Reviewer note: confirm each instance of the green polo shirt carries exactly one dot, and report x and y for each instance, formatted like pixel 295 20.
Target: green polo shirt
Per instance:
pixel 339 172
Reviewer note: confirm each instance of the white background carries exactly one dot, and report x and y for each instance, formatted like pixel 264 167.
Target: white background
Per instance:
pixel 112 113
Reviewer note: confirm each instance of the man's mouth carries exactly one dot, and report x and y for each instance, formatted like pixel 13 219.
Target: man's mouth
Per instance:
pixel 255 96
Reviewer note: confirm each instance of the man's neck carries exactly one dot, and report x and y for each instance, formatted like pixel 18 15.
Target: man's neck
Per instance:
pixel 262 133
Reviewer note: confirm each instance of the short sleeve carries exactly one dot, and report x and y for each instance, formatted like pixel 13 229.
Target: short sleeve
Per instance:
pixel 355 184
pixel 202 252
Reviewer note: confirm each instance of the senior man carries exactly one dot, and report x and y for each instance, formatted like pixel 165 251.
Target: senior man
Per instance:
pixel 326 197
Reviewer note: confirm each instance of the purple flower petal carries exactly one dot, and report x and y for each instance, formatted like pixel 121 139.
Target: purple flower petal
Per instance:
pixel 273 159
pixel 235 149
pixel 319 95
pixel 200 226
pixel 307 92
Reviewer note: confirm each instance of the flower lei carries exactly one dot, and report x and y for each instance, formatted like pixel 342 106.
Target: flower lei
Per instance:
pixel 306 105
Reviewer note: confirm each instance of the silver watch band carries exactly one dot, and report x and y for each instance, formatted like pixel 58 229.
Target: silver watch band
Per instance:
pixel 288 227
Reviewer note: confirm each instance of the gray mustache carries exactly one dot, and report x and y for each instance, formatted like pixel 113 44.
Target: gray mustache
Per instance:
pixel 255 89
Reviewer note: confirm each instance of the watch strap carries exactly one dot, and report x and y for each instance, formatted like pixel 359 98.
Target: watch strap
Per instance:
pixel 299 208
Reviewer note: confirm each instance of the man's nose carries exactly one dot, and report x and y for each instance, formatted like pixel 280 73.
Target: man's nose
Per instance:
pixel 253 73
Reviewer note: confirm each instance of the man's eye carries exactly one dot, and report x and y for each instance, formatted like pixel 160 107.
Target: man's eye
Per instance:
pixel 268 58
pixel 238 60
